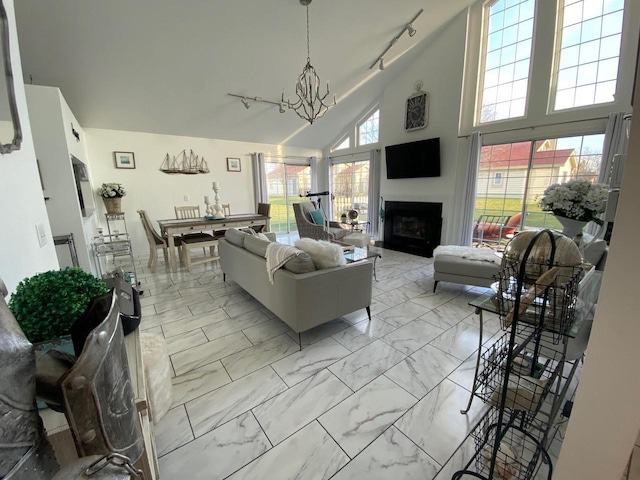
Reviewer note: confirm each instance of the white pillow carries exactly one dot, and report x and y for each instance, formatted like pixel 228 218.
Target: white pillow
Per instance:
pixel 593 251
pixel 324 254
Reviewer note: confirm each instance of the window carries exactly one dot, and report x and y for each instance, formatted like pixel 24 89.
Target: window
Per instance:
pixel 368 130
pixel 527 169
pixel 344 143
pixel 350 187
pixel 506 59
pixel 285 183
pixel 497 178
pixel 589 35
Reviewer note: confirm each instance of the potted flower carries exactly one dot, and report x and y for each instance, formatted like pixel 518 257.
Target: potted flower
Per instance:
pixel 111 194
pixel 575 203
pixel 47 304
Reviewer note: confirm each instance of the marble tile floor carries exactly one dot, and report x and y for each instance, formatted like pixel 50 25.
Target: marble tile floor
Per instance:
pixel 376 400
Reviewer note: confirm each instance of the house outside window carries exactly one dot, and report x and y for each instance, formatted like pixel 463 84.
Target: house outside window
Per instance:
pixel 527 169
pixel 285 183
pixel 350 188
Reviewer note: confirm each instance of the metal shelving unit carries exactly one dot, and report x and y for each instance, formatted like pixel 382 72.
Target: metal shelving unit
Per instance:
pixel 114 257
pixel 521 373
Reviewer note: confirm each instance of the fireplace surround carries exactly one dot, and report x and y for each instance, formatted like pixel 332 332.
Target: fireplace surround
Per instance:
pixel 412 227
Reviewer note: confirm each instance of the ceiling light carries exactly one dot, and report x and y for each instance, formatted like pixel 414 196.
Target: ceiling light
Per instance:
pixel 310 104
pixel 407 28
pixel 281 109
pixel 247 99
pixel 381 66
pixel 246 103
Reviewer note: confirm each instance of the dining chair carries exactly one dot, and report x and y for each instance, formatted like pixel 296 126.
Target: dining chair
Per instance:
pixel 226 209
pixel 156 242
pixel 263 209
pixel 188 211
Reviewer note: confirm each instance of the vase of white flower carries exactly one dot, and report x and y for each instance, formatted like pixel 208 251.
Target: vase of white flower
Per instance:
pixel 575 203
pixel 112 194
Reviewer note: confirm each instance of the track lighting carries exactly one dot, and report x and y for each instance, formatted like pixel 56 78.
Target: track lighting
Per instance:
pixel 407 28
pixel 247 99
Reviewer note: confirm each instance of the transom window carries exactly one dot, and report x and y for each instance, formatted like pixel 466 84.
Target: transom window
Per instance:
pixel 368 130
pixel 589 38
pixel 506 59
pixel 345 143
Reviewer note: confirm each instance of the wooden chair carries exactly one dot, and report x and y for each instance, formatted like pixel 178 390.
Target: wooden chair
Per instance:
pixel 189 242
pixel 226 209
pixel 156 242
pixel 263 209
pixel 188 211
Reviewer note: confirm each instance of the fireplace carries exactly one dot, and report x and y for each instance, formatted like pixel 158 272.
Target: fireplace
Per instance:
pixel 412 227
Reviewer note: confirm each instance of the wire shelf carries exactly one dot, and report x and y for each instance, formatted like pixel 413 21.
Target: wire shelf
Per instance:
pixel 546 303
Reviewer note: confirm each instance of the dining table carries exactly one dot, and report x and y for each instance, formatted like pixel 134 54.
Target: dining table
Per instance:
pixel 171 227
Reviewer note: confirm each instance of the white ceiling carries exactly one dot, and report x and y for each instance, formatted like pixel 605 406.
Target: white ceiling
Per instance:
pixel 166 66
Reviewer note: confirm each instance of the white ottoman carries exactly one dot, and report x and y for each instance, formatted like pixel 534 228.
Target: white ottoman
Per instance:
pixel 358 239
pixel 466 265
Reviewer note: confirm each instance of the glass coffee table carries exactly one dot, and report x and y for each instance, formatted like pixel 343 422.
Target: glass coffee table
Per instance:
pixel 356 254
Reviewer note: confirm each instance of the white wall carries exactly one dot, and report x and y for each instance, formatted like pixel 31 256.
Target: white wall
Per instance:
pixel 150 189
pixel 440 67
pixel 21 193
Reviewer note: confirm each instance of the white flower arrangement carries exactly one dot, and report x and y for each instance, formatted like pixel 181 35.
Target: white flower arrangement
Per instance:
pixel 111 190
pixel 577 199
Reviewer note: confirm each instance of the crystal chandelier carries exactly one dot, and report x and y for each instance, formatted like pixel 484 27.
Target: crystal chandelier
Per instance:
pixel 310 104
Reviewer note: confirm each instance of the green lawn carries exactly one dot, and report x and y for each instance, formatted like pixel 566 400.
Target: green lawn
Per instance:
pixel 535 218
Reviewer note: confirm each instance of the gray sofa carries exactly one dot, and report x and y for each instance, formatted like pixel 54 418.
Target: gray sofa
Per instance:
pixel 301 300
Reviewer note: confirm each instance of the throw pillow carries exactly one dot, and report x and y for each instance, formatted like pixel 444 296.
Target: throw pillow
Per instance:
pixel 324 254
pixel 300 264
pixel 593 251
pixel 259 235
pixel 317 216
pixel 235 236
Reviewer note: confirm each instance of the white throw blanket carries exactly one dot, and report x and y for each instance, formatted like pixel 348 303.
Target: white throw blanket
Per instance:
pixel 470 253
pixel 277 255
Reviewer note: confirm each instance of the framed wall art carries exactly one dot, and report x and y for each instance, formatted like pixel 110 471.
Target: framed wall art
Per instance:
pixel 233 164
pixel 417 109
pixel 124 159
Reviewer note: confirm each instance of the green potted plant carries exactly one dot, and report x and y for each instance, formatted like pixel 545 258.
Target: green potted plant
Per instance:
pixel 112 194
pixel 47 304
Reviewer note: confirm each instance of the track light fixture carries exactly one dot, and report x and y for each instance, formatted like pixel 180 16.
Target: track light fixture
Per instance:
pixel 381 66
pixel 407 28
pixel 246 101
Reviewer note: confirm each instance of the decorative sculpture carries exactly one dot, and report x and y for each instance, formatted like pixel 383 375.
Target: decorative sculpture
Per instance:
pixel 25 453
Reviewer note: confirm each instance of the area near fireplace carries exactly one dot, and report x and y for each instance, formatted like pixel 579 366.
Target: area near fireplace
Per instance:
pixel 412 227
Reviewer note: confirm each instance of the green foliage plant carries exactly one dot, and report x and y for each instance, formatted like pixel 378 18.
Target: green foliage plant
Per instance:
pixel 47 304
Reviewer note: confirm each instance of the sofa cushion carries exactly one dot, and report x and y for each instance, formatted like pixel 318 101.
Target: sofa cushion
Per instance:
pixel 236 237
pixel 256 245
pixel 324 254
pixel 317 216
pixel 301 263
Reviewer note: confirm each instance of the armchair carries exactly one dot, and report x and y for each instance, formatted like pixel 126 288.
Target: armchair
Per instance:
pixel 308 229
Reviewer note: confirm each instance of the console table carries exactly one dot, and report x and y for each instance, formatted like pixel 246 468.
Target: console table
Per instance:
pixel 169 228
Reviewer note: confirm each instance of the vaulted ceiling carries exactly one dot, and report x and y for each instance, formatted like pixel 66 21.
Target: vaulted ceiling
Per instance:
pixel 166 66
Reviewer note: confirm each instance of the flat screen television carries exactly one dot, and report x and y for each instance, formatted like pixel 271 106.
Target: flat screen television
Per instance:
pixel 414 159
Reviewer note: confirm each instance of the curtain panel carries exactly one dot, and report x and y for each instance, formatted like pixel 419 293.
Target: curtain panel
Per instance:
pixel 469 193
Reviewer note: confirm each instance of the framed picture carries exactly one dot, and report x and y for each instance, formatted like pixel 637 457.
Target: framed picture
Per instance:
pixel 233 164
pixel 124 159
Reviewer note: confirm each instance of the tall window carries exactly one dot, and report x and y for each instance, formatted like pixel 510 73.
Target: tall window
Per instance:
pixel 350 187
pixel 285 183
pixel 589 37
pixel 368 130
pixel 527 169
pixel 506 59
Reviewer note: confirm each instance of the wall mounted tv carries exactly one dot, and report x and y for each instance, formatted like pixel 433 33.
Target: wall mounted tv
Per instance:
pixel 414 159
